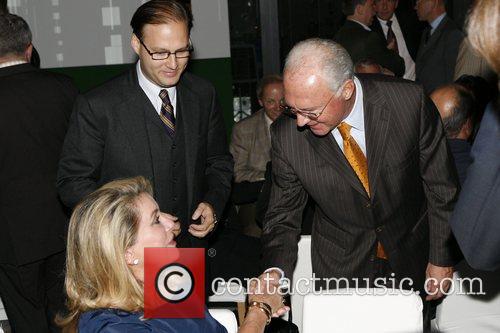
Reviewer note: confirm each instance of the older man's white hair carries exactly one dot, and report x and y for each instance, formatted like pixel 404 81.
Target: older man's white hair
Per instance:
pixel 332 60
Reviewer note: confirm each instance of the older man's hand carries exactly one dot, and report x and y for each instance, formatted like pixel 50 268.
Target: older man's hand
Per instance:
pixel 267 289
pixel 438 281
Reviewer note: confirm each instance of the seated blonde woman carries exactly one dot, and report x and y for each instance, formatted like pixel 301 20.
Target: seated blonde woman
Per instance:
pixel 107 235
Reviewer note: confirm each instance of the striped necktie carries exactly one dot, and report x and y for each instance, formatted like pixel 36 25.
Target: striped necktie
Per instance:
pixel 167 113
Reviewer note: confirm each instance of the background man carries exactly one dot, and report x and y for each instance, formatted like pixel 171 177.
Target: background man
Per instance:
pixel 437 53
pixel 251 139
pixel 156 121
pixel 362 43
pixel 456 105
pixel 400 30
pixel 373 156
pixel 35 108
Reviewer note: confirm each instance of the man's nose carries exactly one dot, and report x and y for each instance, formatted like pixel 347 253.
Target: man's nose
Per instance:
pixel 302 121
pixel 172 61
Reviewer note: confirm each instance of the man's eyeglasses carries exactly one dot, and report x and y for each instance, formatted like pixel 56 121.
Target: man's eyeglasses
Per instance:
pixel 179 54
pixel 307 114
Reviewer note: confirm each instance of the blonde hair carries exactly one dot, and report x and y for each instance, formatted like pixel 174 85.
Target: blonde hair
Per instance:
pixel 102 227
pixel 484 31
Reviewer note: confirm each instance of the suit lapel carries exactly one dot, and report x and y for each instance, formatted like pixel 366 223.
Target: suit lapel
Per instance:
pixel 188 104
pixel 433 39
pixel 376 128
pixel 135 115
pixel 329 150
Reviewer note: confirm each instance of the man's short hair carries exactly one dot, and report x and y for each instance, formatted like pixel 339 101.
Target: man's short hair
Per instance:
pixel 160 12
pixel 15 35
pixel 349 6
pixel 266 80
pixel 332 60
pixel 463 107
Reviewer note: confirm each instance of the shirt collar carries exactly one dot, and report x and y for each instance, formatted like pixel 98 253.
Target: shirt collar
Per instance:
pixel 384 22
pixel 436 22
pixel 151 89
pixel 12 63
pixel 362 24
pixel 355 118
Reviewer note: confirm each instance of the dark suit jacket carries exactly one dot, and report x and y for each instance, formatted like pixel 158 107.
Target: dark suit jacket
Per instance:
pixel 411 32
pixel 413 187
pixel 362 44
pixel 35 108
pixel 436 58
pixel 112 135
pixel 476 219
pixel 460 149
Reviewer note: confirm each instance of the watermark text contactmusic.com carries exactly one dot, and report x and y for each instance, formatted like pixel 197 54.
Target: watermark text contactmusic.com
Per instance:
pixel 343 286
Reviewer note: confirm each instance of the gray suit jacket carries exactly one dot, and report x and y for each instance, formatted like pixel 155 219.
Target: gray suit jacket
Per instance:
pixel 412 180
pixel 251 148
pixel 436 58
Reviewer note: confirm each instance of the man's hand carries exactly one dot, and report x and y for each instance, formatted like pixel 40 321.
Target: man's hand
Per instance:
pixel 434 277
pixel 204 212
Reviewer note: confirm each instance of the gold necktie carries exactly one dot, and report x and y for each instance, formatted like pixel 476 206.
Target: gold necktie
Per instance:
pixel 355 155
pixel 358 162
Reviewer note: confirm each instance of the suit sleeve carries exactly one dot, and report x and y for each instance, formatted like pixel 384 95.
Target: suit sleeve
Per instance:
pixel 476 219
pixel 383 56
pixel 219 163
pixel 283 220
pixel 81 158
pixel 440 185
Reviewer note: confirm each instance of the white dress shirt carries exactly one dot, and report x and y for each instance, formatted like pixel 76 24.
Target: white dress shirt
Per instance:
pixel 362 24
pixel 356 120
pixel 12 63
pixel 402 48
pixel 435 23
pixel 152 90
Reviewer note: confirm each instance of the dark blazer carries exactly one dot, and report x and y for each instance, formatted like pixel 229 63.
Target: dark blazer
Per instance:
pixel 413 187
pixel 436 58
pixel 475 221
pixel 411 30
pixel 35 108
pixel 363 44
pixel 460 150
pixel 115 132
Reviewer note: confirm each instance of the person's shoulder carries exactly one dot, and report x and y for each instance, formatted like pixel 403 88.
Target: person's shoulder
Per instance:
pixel 388 83
pixel 196 83
pixel 251 121
pixel 114 87
pixel 110 321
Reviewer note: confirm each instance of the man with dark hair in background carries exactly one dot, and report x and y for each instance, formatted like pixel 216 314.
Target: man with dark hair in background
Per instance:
pixel 157 121
pixel 437 53
pixel 456 105
pixel 399 28
pixel 362 43
pixel 35 108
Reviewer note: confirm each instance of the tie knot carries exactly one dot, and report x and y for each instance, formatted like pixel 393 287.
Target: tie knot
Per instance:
pixel 389 23
pixel 164 96
pixel 344 129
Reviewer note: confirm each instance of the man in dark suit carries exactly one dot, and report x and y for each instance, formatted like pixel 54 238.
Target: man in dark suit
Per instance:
pixel 402 28
pixel 362 43
pixel 371 151
pixel 155 121
pixel 437 54
pixel 35 108
pixel 456 106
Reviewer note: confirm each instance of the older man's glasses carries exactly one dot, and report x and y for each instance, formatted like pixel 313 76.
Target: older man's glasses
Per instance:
pixel 308 114
pixel 179 54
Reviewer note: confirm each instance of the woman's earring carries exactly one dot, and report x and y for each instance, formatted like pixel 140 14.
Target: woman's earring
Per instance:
pixel 136 262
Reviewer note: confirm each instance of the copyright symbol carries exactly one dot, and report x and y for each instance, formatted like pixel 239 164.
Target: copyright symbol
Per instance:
pixel 174 283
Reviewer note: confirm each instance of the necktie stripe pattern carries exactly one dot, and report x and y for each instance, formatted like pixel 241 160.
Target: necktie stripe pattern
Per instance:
pixel 391 36
pixel 167 112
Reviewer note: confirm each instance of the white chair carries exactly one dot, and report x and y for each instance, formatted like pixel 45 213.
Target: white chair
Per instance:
pixel 303 269
pixel 461 313
pixel 3 316
pixel 226 318
pixel 231 293
pixel 353 312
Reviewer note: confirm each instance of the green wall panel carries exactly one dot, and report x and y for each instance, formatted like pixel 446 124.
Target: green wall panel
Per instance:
pixel 218 71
